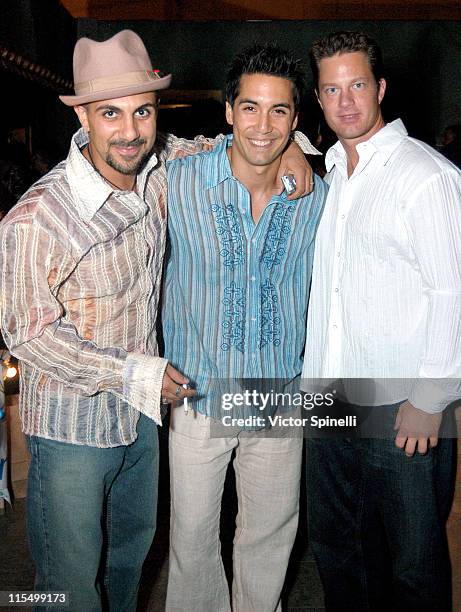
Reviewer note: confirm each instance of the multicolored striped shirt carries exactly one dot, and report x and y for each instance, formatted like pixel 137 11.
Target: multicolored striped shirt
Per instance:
pixel 80 266
pixel 236 292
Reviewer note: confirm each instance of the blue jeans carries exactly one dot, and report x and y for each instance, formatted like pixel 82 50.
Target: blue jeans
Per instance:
pixel 91 518
pixel 377 523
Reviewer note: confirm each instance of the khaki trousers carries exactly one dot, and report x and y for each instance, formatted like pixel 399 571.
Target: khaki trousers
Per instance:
pixel 267 477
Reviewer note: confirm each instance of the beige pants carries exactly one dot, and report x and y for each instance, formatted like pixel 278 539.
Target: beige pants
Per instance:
pixel 267 476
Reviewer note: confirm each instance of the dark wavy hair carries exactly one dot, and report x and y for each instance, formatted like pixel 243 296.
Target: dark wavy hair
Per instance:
pixel 266 59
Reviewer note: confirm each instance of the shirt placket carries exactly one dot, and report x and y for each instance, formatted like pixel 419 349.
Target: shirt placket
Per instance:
pixel 146 264
pixel 255 246
pixel 335 322
pixel 252 281
pixel 254 300
pixel 248 277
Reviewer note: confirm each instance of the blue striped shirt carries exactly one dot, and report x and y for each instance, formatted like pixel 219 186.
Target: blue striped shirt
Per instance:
pixel 236 291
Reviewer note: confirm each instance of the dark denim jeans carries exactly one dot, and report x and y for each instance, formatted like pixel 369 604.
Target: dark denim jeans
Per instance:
pixel 91 518
pixel 377 523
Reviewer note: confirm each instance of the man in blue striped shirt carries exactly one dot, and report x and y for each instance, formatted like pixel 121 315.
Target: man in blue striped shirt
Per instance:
pixel 236 294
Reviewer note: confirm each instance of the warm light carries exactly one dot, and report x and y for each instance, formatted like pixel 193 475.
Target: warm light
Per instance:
pixel 175 105
pixel 11 372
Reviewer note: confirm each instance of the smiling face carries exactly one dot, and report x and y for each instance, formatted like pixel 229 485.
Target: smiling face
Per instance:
pixel 262 116
pixel 122 133
pixel 350 97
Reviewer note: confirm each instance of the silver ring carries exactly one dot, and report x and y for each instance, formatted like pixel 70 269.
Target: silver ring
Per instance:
pixel 178 391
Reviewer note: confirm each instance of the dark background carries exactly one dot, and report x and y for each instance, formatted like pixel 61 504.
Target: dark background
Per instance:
pixel 423 60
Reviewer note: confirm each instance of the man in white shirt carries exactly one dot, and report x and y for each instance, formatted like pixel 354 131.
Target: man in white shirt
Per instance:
pixel 385 306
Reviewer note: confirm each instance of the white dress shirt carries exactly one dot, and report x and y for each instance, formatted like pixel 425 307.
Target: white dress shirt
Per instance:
pixel 386 288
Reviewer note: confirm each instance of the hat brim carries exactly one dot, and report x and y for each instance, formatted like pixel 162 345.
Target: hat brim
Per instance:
pixel 121 92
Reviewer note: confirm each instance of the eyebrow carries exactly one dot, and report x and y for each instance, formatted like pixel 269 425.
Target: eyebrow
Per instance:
pixel 107 107
pixel 356 78
pixel 278 104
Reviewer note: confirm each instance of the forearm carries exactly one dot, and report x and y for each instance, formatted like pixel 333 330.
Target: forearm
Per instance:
pixel 88 369
pixel 433 220
pixel 179 147
pixel 439 375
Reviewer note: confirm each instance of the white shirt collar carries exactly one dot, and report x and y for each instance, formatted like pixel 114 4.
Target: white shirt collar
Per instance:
pixel 384 142
pixel 88 188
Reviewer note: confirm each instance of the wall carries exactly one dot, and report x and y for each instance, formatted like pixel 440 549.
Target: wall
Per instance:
pixel 423 58
pixel 45 33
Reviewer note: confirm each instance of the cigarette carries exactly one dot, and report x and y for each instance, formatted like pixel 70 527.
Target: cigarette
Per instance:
pixel 186 404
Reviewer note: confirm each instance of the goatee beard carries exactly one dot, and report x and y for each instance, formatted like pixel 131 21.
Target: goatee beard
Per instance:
pixel 128 170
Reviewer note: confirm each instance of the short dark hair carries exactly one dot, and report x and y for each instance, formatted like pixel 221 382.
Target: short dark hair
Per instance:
pixel 267 59
pixel 346 42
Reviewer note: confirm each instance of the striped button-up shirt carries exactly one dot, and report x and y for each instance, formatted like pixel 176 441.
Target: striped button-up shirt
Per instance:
pixel 80 268
pixel 386 287
pixel 236 291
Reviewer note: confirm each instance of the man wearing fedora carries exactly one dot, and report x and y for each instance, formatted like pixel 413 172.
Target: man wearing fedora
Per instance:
pixel 80 262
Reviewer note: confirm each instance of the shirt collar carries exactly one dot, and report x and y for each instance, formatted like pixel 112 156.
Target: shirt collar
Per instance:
pixel 220 170
pixel 88 188
pixel 384 142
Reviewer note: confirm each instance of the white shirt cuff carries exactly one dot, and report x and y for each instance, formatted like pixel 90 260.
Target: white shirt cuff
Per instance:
pixel 434 395
pixel 305 144
pixel 142 384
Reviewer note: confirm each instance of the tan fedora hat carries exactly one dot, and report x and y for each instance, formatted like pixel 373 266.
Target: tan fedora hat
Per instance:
pixel 117 67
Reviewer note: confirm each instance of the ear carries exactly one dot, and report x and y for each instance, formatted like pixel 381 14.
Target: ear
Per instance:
pixel 295 122
pixel 82 117
pixel 381 89
pixel 229 114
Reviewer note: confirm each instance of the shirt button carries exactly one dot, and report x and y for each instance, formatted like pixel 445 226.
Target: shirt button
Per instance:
pixel 254 241
pixel 334 326
pixel 336 289
pixel 338 254
pixel 253 278
pixel 253 354
pixel 253 319
pixel 343 216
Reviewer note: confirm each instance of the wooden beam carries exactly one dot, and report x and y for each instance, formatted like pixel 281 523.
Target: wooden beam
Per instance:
pixel 236 10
